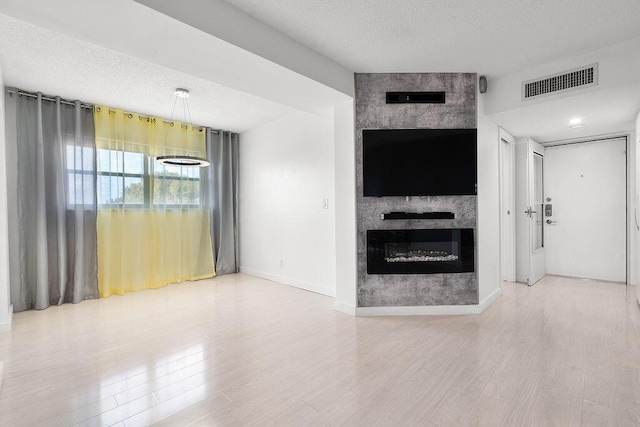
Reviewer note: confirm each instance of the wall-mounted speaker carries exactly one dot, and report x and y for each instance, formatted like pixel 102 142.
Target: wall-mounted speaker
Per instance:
pixel 482 84
pixel 415 98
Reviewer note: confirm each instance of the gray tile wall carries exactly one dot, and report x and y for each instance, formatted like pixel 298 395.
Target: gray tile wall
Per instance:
pixel 372 112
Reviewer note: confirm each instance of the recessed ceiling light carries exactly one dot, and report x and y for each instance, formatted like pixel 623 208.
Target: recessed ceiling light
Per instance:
pixel 576 122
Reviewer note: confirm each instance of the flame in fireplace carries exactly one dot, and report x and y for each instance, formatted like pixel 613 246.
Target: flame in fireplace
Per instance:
pixel 421 256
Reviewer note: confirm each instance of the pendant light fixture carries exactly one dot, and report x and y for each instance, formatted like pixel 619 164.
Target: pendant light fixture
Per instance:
pixel 181 159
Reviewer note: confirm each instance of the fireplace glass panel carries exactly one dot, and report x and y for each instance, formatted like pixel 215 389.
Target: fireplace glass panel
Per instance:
pixel 420 251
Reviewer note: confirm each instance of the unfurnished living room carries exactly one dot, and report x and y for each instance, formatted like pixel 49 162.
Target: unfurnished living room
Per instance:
pixel 292 213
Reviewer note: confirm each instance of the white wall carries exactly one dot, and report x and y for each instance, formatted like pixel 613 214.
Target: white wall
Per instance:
pixel 286 169
pixel 617 67
pixel 345 207
pixel 5 306
pixel 488 239
pixel 635 221
pixel 632 204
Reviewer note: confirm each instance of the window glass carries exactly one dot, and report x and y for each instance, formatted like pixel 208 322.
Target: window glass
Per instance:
pixel 80 188
pixel 176 192
pixel 80 166
pixel 133 191
pixel 80 158
pixel 134 163
pixel 135 180
pixel 110 161
pixel 176 186
pixel 110 189
pixel 538 202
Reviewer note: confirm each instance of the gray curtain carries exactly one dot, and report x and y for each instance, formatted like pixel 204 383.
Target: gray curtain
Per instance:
pixel 221 194
pixel 53 218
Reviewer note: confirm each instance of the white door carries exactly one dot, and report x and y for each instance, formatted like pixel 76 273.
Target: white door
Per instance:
pixel 586 232
pixel 535 210
pixel 530 244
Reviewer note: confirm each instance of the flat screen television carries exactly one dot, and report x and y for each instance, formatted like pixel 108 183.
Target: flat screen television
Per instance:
pixel 419 162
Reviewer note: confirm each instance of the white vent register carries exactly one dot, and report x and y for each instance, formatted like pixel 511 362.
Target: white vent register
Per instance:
pixel 567 80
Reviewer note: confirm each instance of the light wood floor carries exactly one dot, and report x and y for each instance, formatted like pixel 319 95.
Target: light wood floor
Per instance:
pixel 238 350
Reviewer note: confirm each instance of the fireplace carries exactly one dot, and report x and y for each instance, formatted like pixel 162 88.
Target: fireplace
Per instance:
pixel 422 251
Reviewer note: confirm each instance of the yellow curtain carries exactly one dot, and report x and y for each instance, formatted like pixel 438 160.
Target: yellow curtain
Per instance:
pixel 153 224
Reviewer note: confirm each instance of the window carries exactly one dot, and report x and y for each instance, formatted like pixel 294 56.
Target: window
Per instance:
pixel 136 181
pixel 176 186
pixel 121 178
pixel 80 169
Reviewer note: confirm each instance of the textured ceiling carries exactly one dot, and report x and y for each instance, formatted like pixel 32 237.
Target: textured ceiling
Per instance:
pixel 491 37
pixel 37 59
pixel 79 56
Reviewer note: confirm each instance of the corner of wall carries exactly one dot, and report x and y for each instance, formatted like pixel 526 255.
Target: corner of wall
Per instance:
pixel 5 326
pixel 636 212
pixel 344 308
pixel 345 207
pixel 489 280
pixel 5 305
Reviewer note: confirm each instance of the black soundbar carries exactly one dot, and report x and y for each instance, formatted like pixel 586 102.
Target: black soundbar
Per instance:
pixel 415 98
pixel 416 215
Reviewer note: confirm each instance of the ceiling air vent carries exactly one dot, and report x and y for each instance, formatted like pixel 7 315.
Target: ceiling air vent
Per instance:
pixel 573 79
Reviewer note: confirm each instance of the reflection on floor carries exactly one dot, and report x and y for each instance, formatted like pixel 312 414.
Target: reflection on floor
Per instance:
pixel 238 350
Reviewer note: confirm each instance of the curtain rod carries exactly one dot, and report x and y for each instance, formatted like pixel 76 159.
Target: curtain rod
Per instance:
pixel 85 105
pixel 143 116
pixel 46 98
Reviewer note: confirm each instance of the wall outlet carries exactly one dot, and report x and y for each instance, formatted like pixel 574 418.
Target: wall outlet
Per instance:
pixel 281 263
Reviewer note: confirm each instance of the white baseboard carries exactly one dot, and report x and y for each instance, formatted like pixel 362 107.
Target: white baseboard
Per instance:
pixel 344 308
pixel 429 310
pixel 423 310
pixel 323 290
pixel 493 297
pixel 6 326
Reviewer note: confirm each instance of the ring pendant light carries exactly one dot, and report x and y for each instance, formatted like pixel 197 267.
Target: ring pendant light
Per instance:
pixel 181 159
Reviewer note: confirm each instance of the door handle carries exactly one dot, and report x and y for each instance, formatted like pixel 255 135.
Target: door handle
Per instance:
pixel 551 222
pixel 529 211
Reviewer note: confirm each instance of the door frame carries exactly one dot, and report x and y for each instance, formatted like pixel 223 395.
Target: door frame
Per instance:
pixel 507 223
pixel 630 187
pixel 536 257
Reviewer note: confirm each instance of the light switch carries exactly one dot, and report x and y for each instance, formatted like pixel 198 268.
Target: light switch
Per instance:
pixel 325 203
